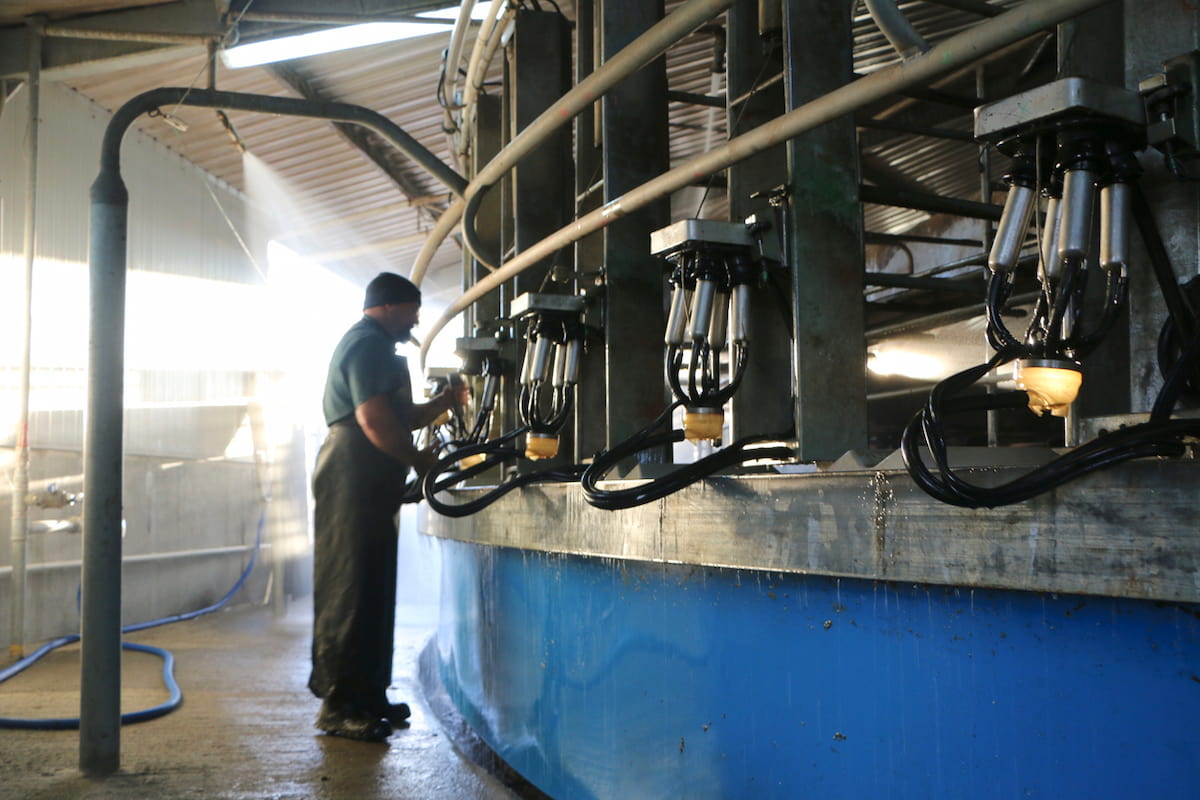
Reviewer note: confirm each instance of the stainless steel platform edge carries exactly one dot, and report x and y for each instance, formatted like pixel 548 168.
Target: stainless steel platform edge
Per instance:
pixel 1131 531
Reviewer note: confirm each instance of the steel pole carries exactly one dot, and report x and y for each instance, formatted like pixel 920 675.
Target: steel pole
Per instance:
pixel 947 56
pixel 20 512
pixel 100 609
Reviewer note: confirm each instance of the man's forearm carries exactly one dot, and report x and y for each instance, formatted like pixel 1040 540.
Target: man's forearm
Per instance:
pixel 384 430
pixel 396 442
pixel 425 413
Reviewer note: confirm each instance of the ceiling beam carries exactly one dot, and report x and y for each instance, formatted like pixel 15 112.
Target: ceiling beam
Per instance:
pixel 67 59
pixel 879 172
pixel 377 246
pixel 383 155
pixel 93 43
pixel 359 216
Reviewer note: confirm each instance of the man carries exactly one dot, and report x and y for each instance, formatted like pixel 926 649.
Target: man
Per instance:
pixel 359 478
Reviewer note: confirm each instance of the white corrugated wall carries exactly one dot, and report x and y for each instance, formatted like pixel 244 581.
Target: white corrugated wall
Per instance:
pixel 199 351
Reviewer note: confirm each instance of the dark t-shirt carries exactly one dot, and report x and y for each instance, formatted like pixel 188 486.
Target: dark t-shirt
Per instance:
pixel 363 365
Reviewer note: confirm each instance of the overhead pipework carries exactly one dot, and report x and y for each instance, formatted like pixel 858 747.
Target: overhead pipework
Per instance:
pixel 952 53
pixel 896 27
pixel 636 55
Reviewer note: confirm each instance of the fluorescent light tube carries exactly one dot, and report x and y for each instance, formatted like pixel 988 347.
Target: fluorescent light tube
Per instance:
pixel 329 40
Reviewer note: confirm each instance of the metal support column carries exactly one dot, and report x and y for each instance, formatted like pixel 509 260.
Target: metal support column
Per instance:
pixel 1091 46
pixel 755 40
pixel 100 610
pixel 486 141
pixel 493 226
pixel 542 184
pixel 1158 30
pixel 825 248
pixel 539 60
pixel 590 394
pixel 20 479
pixel 635 149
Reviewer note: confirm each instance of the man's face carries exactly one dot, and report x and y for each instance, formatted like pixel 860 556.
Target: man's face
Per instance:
pixel 401 318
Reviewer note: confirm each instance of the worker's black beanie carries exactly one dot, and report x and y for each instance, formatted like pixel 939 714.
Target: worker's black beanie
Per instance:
pixel 388 287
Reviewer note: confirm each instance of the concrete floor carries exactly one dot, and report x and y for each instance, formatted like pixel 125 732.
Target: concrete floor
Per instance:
pixel 245 729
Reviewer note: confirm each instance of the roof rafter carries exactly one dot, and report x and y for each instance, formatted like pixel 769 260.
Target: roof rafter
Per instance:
pixel 368 143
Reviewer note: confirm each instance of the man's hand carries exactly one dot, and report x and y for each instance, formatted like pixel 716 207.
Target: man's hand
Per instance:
pixel 426 413
pixel 424 461
pixel 456 393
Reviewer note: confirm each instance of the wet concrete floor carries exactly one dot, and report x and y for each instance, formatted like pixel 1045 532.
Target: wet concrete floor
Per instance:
pixel 245 729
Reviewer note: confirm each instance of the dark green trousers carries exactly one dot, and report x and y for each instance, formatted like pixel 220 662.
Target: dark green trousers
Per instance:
pixel 357 490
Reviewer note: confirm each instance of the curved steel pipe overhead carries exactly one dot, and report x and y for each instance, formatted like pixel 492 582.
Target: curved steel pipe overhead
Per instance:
pixel 637 54
pixel 110 153
pixel 895 26
pixel 100 613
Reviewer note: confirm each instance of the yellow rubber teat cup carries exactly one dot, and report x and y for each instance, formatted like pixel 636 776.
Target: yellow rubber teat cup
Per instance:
pixel 703 424
pixel 539 445
pixel 1052 384
pixel 470 461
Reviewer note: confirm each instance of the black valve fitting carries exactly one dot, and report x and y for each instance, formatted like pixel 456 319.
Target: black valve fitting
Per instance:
pixel 741 270
pixel 1024 169
pixel 1080 149
pixel 710 266
pixel 1123 166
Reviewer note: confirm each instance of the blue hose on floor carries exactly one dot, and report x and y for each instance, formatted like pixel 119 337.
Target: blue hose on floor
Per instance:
pixel 168 670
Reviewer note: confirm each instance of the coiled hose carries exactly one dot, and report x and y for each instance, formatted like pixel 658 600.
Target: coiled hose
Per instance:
pixel 168 669
pixel 614 499
pixel 1160 436
pixel 442 474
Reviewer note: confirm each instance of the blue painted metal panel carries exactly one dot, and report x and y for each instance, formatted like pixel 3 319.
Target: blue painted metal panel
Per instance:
pixel 598 678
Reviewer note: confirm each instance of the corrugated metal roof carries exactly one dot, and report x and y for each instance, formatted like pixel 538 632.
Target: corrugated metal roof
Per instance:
pixel 325 177
pixel 944 167
pixel 333 181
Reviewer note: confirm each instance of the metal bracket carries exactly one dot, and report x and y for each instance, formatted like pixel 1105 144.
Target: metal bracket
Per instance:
pixel 1048 108
pixel 688 234
pixel 533 303
pixel 53 497
pixel 1172 107
pixel 476 351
